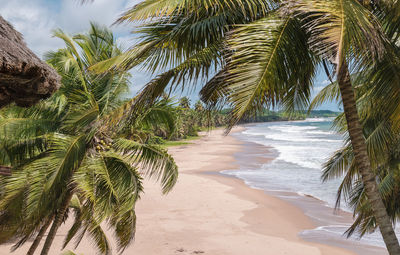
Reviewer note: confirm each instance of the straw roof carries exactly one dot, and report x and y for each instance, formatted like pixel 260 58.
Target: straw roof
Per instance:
pixel 24 78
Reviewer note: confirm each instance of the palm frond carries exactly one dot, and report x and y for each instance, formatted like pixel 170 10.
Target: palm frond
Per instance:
pixel 164 8
pixel 66 155
pixel 341 29
pixel 267 56
pixel 153 161
pixel 329 93
pixel 125 229
pixel 197 65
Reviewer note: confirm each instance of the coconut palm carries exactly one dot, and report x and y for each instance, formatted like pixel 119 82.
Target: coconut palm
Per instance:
pixel 338 33
pixel 378 107
pixel 160 119
pixel 383 151
pixel 184 102
pixel 68 161
pixel 266 53
pixel 187 35
pixel 199 106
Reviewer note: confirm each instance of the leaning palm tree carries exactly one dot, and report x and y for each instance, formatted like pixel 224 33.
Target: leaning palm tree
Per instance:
pixel 343 34
pixel 339 33
pixel 383 146
pixel 378 108
pixel 68 161
pixel 266 53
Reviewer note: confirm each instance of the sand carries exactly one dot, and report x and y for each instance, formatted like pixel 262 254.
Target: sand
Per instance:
pixel 208 213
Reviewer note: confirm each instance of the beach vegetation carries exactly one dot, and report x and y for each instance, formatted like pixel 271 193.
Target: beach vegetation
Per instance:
pixel 68 161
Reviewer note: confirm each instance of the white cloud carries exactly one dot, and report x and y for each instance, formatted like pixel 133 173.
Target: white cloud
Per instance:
pixel 320 85
pixel 325 82
pixel 131 3
pixel 35 19
pixel 74 17
pixel 316 90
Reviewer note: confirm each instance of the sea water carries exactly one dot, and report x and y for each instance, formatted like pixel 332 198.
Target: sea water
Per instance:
pixel 299 150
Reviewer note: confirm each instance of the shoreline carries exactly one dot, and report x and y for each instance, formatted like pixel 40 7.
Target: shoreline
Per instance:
pixel 211 213
pixel 263 224
pixel 317 211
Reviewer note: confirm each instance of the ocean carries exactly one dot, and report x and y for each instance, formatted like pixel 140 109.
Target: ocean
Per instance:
pixel 298 150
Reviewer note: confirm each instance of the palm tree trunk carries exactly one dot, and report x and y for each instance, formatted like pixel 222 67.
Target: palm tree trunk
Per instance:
pixel 56 223
pixel 363 163
pixel 39 237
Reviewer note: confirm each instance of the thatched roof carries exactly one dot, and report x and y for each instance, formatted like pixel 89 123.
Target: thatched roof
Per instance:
pixel 24 78
pixel 5 170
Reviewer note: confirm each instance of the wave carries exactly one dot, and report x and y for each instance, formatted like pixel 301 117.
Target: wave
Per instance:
pixel 292 128
pixel 305 143
pixel 317 132
pixel 328 119
pixel 315 137
pixel 373 239
pixel 301 148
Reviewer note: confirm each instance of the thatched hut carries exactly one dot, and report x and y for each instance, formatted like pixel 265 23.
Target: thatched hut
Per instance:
pixel 24 78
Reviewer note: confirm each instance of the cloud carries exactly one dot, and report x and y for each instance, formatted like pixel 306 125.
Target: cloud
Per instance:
pixel 318 89
pixel 131 3
pixel 36 19
pixel 74 17
pixel 325 82
pixel 126 41
pixel 320 85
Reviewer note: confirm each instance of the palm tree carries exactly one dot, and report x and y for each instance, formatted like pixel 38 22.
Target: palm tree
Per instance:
pixel 383 151
pixel 266 53
pixel 201 115
pixel 160 119
pixel 68 161
pixel 184 102
pixel 337 32
pixel 378 107
pixel 199 106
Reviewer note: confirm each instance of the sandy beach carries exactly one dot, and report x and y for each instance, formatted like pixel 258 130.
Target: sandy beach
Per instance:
pixel 208 213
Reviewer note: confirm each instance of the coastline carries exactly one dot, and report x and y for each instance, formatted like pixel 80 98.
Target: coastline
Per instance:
pixel 317 211
pixel 225 216
pixel 211 213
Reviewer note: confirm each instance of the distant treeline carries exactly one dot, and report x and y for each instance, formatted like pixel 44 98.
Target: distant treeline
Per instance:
pixel 185 120
pixel 268 116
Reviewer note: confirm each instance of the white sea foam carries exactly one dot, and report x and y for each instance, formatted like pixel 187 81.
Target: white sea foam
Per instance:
pixel 297 142
pixel 373 239
pixel 301 147
pixel 330 119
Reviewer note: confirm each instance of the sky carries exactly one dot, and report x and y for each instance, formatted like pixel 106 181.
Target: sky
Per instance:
pixel 36 19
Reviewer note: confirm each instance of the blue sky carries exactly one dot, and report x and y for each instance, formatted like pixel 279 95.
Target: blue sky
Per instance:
pixel 35 19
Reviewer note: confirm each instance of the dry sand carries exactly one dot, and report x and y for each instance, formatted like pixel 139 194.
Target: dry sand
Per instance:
pixel 210 214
